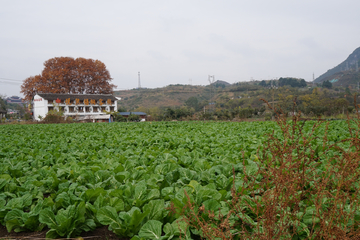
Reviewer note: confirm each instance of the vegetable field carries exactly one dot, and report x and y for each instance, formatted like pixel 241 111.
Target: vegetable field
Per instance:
pixel 165 180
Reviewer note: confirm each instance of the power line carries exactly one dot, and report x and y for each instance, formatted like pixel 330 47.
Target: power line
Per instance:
pixel 9 79
pixel 12 83
pixel 120 89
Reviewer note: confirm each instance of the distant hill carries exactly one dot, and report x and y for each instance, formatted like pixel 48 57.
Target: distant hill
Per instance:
pixel 348 67
pixel 221 82
pixel 169 96
pixel 176 95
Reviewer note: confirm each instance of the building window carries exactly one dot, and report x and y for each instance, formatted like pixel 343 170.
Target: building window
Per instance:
pixel 87 109
pixel 111 109
pixel 50 108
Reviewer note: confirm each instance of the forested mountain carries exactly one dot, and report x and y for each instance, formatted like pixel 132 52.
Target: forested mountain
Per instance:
pixel 350 65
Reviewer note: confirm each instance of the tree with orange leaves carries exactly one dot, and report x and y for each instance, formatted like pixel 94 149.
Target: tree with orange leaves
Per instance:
pixel 69 75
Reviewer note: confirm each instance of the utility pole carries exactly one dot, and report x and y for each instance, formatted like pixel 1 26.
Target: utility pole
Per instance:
pixel 139 84
pixel 272 87
pixel 211 86
pixel 312 84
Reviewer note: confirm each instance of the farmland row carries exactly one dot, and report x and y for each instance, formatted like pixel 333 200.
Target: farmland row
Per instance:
pixel 76 177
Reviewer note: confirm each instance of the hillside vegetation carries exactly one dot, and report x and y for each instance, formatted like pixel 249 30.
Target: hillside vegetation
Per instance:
pixel 241 100
pixel 349 78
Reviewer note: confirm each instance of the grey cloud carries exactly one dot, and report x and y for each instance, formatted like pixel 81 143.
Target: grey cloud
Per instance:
pixel 173 41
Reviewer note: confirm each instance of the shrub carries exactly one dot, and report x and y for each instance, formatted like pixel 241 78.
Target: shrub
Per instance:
pixel 133 118
pixel 54 116
pixel 119 118
pixel 297 191
pixel 268 117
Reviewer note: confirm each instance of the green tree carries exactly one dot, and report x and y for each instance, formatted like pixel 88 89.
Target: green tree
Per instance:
pixel 3 103
pixel 192 102
pixel 293 82
pixel 169 114
pixel 347 91
pixel 119 118
pixel 155 114
pixel 302 83
pixel 263 83
pixel 182 112
pixel 121 109
pixel 133 118
pixel 327 84
pixel 341 104
pixel 245 112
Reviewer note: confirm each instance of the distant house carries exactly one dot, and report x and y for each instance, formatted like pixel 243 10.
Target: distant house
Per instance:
pixel 12 111
pixel 14 99
pixel 142 115
pixel 83 107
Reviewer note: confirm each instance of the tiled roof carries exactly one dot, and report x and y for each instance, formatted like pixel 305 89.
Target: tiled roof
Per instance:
pixel 14 98
pixel 124 113
pixel 54 96
pixel 138 113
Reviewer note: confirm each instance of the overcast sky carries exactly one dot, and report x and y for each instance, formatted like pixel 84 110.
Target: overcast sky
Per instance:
pixel 171 42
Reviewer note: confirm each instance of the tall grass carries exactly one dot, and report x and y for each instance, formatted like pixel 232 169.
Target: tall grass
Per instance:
pixel 298 192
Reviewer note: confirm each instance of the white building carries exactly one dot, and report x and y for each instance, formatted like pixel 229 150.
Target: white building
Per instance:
pixel 77 106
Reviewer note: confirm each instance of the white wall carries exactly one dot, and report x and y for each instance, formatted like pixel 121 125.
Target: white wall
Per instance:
pixel 39 107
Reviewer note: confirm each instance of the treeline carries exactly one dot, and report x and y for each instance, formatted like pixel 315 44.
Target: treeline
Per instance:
pixel 186 114
pixel 317 101
pixel 288 81
pixel 228 105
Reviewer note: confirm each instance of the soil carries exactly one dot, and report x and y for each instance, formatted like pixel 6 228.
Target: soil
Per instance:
pixel 97 234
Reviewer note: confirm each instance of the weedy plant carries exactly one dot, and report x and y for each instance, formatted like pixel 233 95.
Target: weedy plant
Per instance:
pixel 298 192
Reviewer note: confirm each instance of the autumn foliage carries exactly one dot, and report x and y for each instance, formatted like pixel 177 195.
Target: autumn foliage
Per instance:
pixel 69 75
